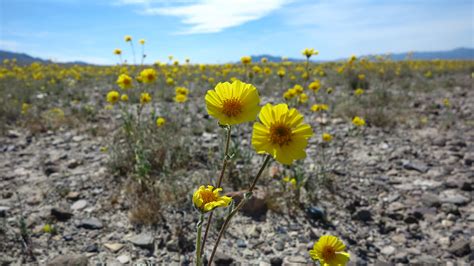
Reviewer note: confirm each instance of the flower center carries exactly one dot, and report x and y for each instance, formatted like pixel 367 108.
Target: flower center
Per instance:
pixel 232 107
pixel 151 77
pixel 126 81
pixel 208 196
pixel 328 253
pixel 280 134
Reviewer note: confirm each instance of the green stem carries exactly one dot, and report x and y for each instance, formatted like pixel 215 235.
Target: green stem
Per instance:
pixel 198 240
pixel 247 195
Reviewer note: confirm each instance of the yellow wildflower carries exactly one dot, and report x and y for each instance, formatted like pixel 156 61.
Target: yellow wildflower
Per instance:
pixel 124 81
pixel 308 52
pixel 358 92
pixel 117 51
pixel 358 121
pixel 206 199
pixel 246 60
pixel 124 98
pixel 128 38
pixel 160 121
pixel 329 250
pixel 145 98
pixel 327 137
pixel 113 97
pixel 180 98
pixel 148 75
pixel 142 41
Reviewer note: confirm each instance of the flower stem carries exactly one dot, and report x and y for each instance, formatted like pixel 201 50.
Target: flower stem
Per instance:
pixel 198 240
pixel 219 181
pixel 247 195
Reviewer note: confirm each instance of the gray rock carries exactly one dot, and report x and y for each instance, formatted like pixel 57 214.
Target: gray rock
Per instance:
pixel 172 245
pixel 3 211
pixel 143 240
pixel 419 167
pixel 453 196
pixel 90 223
pixel 222 259
pixel 69 260
pixel 79 205
pixel 362 215
pixel 114 247
pixel 469 159
pixel 124 259
pixel 460 248
pixel 430 199
pixel 276 261
pixel 61 214
pixel 388 250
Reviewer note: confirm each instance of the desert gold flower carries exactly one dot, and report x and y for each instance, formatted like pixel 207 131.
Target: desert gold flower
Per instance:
pixel 359 92
pixel 329 90
pixel 315 86
pixel 181 90
pixel 113 97
pixel 281 72
pixel 446 102
pixel 329 250
pixel 264 60
pixel 233 103
pixel 128 38
pixel 298 89
pixel 327 137
pixel 180 98
pixel 117 51
pixel 170 81
pixel 361 76
pixel 308 52
pixel 246 60
pixel 124 98
pixel 24 108
pixel 303 98
pixel 358 121
pixel 160 121
pixel 145 98
pixel 206 199
pixel 319 107
pixel 142 41
pixel 148 75
pixel 290 180
pixel 281 133
pixel 124 81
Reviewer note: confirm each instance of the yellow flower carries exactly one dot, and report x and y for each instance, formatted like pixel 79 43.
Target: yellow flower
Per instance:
pixel 303 98
pixel 145 98
pixel 49 229
pixel 361 76
pixel 264 60
pixel 117 51
pixel 281 72
pixel 298 89
pixel 124 81
pixel 446 102
pixel 281 133
pixel 358 92
pixel 315 86
pixel 290 180
pixel 358 121
pixel 124 98
pixel 148 75
pixel 113 97
pixel 246 60
pixel 329 90
pixel 128 38
pixel 181 90
pixel 170 81
pixel 180 98
pixel 234 103
pixel 160 121
pixel 329 250
pixel 142 41
pixel 319 107
pixel 308 52
pixel 24 108
pixel 206 199
pixel 327 137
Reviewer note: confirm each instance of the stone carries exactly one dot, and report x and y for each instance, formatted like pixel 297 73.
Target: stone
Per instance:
pixel 254 231
pixel 222 259
pixel 90 223
pixel 362 215
pixel 460 248
pixel 276 261
pixel 114 247
pixel 3 211
pixel 143 240
pixel 61 214
pixel 453 196
pixel 419 167
pixel 94 248
pixel 388 250
pixel 124 259
pixel 430 199
pixel 295 260
pixel 316 213
pixel 79 205
pixel 469 159
pixel 72 195
pixel 172 245
pixel 241 243
pixel 69 260
pixel 255 207
pixel 279 245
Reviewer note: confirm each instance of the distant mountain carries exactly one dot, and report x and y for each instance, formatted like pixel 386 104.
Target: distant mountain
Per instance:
pixel 25 59
pixel 455 54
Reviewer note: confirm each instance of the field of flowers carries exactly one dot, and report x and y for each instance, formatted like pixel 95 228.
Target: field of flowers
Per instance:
pixel 360 161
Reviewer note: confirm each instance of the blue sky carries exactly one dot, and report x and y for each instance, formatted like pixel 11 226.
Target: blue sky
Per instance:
pixel 220 31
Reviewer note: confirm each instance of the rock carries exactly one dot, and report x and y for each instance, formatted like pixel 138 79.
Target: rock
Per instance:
pixel 241 243
pixel 124 259
pixel 424 260
pixel 90 223
pixel 114 247
pixel 453 196
pixel 400 257
pixel 172 245
pixel 388 250
pixel 222 259
pixel 430 199
pixel 254 231
pixel 460 248
pixel 295 260
pixel 255 207
pixel 279 245
pixel 13 134
pixel 72 195
pixel 79 205
pixel 316 213
pixel 143 240
pixel 3 211
pixel 419 167
pixel 61 214
pixel 469 159
pixel 362 215
pixel 276 261
pixel 69 260
pixel 94 248
pixel 73 164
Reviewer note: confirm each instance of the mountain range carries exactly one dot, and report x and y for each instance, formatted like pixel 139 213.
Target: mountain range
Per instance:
pixel 462 53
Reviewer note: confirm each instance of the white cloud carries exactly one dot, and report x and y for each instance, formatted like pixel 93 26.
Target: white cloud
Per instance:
pixel 10 46
pixel 210 16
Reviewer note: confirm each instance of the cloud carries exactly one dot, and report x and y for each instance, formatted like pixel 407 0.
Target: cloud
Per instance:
pixel 11 46
pixel 211 16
